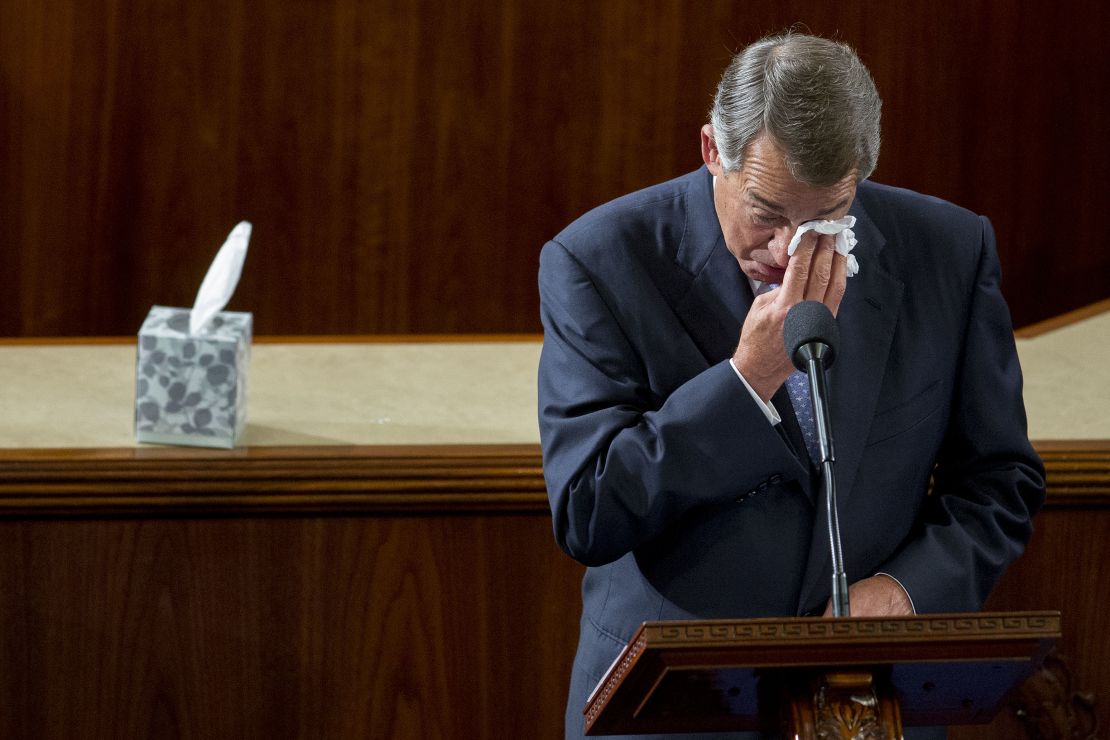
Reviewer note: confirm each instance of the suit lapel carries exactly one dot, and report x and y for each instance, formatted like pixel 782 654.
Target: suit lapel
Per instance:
pixel 717 300
pixel 867 318
pixel 718 296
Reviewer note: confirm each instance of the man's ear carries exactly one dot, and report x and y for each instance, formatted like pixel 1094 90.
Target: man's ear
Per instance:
pixel 709 153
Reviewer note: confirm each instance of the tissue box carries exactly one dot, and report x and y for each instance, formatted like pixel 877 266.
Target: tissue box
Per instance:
pixel 192 389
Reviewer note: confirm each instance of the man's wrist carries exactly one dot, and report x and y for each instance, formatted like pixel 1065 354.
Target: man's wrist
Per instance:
pixel 761 386
pixel 767 407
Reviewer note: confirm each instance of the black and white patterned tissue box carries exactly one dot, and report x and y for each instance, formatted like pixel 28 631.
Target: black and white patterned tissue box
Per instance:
pixel 192 389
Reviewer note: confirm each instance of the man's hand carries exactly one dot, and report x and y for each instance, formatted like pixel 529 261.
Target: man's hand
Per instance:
pixel 877 596
pixel 815 273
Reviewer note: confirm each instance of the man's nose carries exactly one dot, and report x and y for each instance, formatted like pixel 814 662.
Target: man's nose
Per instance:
pixel 778 244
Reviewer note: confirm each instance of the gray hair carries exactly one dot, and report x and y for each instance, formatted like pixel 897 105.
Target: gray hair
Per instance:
pixel 813 97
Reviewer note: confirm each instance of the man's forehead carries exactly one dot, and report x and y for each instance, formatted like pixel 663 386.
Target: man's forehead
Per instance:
pixel 837 198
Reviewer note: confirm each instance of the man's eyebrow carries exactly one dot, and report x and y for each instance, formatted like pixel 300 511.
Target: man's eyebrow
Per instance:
pixel 834 209
pixel 779 209
pixel 765 203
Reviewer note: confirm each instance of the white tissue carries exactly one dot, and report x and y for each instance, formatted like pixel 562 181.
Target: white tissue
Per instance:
pixel 222 277
pixel 845 238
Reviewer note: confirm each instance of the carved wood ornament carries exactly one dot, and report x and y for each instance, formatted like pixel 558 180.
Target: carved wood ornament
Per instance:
pixel 1049 706
pixel 843 705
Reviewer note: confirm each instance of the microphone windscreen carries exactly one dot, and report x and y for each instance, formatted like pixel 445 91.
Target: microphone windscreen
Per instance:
pixel 808 322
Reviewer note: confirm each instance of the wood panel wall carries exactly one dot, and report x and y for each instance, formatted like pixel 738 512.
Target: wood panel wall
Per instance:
pixel 364 592
pixel 404 161
pixel 326 627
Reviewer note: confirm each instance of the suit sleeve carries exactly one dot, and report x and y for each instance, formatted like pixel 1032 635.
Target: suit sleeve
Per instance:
pixel 621 461
pixel 988 482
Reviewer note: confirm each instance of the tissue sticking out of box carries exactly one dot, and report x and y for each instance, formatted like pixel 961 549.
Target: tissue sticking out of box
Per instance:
pixel 222 278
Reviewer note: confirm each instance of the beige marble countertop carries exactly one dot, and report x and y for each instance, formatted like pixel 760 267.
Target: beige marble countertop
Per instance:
pixel 480 392
pixel 74 395
pixel 1067 380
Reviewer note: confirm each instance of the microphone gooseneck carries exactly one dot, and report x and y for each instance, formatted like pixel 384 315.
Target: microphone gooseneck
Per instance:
pixel 811 337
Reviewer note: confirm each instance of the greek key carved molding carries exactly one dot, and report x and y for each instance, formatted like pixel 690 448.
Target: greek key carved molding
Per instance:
pixel 755 631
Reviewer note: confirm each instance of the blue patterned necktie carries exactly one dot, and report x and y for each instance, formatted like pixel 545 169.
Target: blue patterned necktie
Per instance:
pixel 798 387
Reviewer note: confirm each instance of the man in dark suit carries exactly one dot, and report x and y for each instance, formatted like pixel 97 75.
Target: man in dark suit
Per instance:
pixel 675 463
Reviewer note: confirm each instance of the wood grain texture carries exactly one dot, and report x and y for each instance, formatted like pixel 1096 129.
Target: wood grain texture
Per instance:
pixel 1066 566
pixel 403 162
pixel 393 627
pixel 369 592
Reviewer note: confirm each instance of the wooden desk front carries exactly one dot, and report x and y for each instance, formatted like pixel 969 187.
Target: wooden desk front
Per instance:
pixel 377 561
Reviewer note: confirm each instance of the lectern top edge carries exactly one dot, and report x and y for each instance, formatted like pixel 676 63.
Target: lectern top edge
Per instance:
pixel 700 657
pixel 971 626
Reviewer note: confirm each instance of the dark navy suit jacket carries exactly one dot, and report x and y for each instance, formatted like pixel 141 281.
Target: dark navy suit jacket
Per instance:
pixel 666 479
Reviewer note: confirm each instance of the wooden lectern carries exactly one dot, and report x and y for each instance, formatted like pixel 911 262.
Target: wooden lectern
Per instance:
pixel 855 677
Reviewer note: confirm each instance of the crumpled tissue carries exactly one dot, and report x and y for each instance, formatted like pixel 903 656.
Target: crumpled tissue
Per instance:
pixel 845 238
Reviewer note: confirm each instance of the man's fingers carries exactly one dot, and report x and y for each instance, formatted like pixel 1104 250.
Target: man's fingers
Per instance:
pixel 815 273
pixel 798 270
pixel 821 268
pixel 838 283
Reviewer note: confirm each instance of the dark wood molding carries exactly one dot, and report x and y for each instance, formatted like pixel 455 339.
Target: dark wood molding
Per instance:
pixel 400 479
pixel 272 480
pixel 1077 472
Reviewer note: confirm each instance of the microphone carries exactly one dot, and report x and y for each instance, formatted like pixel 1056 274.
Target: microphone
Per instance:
pixel 811 337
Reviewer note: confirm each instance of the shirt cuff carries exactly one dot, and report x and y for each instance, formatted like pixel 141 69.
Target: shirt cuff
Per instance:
pixel 907 593
pixel 768 408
